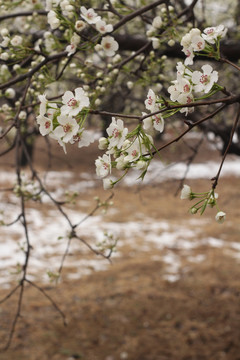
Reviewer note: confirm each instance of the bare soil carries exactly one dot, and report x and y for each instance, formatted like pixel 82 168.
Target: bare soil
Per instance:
pixel 130 311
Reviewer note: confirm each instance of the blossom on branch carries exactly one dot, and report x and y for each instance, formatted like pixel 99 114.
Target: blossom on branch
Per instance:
pixel 204 81
pixel 212 34
pixel 67 129
pixel 109 45
pixel 220 217
pixel 117 134
pixel 103 165
pixel 89 15
pixel 103 28
pixel 73 104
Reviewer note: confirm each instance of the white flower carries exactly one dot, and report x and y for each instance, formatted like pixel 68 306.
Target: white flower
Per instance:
pixel 103 165
pixel 71 49
pixel 141 165
pixel 4 56
pixel 74 104
pixel 53 21
pixel 121 162
pixel 186 99
pixel 80 25
pixel 157 22
pixel 171 42
pixel 181 86
pixel 103 143
pixel 108 184
pixel 22 115
pixel 89 15
pixel 16 40
pixel 186 193
pixel 43 104
pixel 211 34
pixel 150 102
pixel 109 45
pixel 10 93
pixel 220 217
pixel 75 40
pixel 191 42
pixel 155 43
pixel 117 133
pixel 103 28
pixel 136 149
pixel 204 81
pixel 84 138
pixel 51 3
pixel 154 122
pixel 67 129
pixel 5 42
pixel 130 85
pixel 4 32
pixel 45 123
pixel 212 199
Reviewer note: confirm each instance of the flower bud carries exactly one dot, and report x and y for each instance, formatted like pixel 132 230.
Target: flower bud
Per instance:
pixel 220 217
pixel 103 143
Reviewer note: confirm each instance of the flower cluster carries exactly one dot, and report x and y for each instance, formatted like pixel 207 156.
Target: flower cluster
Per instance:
pixel 189 82
pixel 65 124
pixel 129 149
pixel 205 199
pixel 88 16
pixel 195 41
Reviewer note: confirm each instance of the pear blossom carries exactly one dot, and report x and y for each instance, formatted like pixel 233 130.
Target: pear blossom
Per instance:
pixel 220 217
pixel 186 99
pixel 212 34
pixel 89 15
pixel 180 86
pixel 71 49
pixel 67 129
pixel 4 32
pixel 150 102
pixel 121 162
pixel 22 115
pixel 136 149
pixel 108 184
pixel 203 81
pixel 43 104
pixel 80 25
pixel 46 125
pixel 186 193
pixel 103 28
pixel 51 3
pixel 192 41
pixel 5 42
pixel 103 165
pixel 133 152
pixel 141 165
pixel 157 22
pixel 103 143
pixel 109 45
pixel 83 138
pixel 154 122
pixel 73 104
pixel 4 56
pixel 16 40
pixel 10 93
pixel 155 43
pixel 53 21
pixel 117 133
pixel 75 40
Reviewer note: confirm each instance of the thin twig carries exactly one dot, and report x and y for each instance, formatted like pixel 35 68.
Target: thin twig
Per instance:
pixel 216 178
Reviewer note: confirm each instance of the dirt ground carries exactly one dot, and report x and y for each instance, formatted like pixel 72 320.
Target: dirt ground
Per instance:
pixel 129 311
